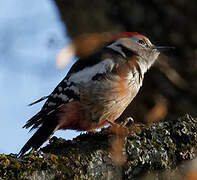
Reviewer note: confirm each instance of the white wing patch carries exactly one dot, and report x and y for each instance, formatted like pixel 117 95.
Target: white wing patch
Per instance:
pixel 86 74
pixel 51 104
pixel 60 89
pixel 63 97
pixel 74 89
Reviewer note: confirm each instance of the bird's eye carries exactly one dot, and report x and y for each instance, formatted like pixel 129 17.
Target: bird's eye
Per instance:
pixel 141 42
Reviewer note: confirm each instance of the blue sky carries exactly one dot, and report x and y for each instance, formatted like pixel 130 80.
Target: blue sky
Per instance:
pixel 31 34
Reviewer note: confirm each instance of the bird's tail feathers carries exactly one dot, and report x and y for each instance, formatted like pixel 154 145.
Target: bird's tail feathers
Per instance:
pixel 39 137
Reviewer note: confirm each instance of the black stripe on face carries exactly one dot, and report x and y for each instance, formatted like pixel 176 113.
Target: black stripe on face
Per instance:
pixel 129 53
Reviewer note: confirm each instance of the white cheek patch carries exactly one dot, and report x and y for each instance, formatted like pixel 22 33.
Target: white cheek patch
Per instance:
pixel 88 73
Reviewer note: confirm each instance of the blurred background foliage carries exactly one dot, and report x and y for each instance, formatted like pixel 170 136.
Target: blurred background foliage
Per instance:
pixel 169 89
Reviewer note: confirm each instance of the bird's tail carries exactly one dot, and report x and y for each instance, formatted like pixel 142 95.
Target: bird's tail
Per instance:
pixel 39 137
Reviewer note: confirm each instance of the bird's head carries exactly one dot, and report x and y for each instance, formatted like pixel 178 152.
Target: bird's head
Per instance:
pixel 139 45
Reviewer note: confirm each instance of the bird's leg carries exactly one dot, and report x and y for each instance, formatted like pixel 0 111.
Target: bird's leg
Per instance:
pixel 132 126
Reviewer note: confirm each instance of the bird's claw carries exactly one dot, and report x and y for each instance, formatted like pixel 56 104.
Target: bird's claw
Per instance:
pixel 127 122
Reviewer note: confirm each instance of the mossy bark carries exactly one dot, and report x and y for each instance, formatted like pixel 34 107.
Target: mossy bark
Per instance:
pixel 151 149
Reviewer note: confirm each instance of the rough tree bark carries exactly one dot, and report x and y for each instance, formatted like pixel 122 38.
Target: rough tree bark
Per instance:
pixel 150 151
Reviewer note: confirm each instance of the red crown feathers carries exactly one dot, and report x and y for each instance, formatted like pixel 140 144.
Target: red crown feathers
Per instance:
pixel 127 34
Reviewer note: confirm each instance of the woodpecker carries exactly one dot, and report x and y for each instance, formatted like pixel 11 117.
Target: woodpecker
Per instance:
pixel 96 90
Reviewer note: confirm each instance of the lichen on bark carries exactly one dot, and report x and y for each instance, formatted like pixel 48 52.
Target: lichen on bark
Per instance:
pixel 158 147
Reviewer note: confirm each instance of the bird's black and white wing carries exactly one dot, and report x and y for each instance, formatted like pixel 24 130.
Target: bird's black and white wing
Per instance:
pixel 85 70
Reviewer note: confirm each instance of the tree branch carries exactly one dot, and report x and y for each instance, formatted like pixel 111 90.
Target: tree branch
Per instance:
pixel 148 148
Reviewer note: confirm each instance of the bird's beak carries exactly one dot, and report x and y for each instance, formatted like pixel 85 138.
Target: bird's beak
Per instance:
pixel 164 48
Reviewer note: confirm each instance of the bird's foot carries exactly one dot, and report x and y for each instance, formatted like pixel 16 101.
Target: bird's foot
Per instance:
pixel 127 122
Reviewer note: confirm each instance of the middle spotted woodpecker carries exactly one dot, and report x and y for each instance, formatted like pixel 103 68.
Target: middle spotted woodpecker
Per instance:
pixel 96 90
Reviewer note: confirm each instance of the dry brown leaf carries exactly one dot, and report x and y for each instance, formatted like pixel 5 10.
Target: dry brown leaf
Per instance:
pixel 158 112
pixel 192 175
pixel 117 150
pixel 64 56
pixel 89 43
pixel 117 145
pixel 83 46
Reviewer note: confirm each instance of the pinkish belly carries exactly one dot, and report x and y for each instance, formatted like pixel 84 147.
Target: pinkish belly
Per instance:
pixel 71 117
